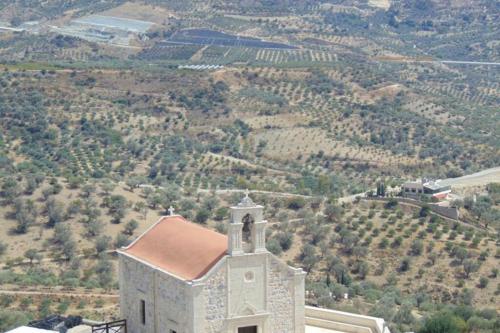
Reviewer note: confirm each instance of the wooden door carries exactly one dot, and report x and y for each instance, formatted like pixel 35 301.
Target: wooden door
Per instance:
pixel 248 329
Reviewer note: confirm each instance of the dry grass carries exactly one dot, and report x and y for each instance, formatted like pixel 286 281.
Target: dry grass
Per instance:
pixel 138 11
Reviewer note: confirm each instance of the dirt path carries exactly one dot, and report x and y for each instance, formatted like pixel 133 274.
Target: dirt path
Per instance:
pixel 57 293
pixel 49 259
pixel 252 165
pixel 278 194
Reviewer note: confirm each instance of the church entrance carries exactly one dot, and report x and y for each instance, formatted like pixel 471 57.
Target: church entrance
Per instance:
pixel 248 329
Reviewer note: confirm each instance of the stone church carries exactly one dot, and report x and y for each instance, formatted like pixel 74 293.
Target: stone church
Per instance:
pixel 179 277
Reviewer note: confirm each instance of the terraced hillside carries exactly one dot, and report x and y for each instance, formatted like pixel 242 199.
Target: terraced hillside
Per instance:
pixel 314 101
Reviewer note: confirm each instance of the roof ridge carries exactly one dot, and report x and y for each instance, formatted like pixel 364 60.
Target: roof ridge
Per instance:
pixel 192 223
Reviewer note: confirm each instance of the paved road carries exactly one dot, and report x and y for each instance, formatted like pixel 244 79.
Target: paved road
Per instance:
pixel 480 178
pixel 470 62
pixel 435 61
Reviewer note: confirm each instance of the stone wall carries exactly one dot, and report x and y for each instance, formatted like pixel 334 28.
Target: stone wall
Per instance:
pixel 449 212
pixel 135 285
pixel 281 304
pixel 166 298
pixel 215 293
pixel 172 300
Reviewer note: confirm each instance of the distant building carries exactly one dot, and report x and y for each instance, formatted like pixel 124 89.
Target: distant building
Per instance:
pixel 105 29
pixel 179 277
pixel 426 188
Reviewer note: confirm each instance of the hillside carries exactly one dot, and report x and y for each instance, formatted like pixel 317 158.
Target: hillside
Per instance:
pixel 312 101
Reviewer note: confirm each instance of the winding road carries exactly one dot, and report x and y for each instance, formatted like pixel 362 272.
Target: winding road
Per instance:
pixel 480 178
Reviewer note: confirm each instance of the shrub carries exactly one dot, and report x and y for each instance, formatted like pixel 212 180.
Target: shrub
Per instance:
pixel 296 203
pixel 397 242
pixel 220 214
pixel 433 258
pixel 63 307
pixel 478 324
pixel 44 307
pixel 391 204
pixel 102 244
pixel 444 322
pixel 483 255
pixel 470 266
pixel 285 240
pixel 468 234
pixel 383 243
pixel 3 248
pixel 417 247
pixel 274 246
pixel 121 240
pixel 424 211
pixel 405 265
pixel 483 282
pixel 308 257
pixel 202 215
pixel 369 226
pixel 10 319
pixel 438 234
pixel 130 227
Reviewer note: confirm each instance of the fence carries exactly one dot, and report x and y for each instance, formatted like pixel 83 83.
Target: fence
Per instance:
pixel 118 326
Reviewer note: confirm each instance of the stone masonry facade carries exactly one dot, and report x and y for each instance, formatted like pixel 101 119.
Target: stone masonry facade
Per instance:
pixel 215 292
pixel 280 297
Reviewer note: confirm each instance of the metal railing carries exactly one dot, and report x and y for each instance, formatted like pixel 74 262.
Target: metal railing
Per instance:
pixel 117 326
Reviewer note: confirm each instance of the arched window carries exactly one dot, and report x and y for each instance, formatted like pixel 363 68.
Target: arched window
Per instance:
pixel 247 227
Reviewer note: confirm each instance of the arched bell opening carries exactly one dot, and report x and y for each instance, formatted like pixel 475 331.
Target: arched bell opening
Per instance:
pixel 247 230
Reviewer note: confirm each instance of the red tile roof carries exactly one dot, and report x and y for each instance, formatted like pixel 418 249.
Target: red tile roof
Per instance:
pixel 180 247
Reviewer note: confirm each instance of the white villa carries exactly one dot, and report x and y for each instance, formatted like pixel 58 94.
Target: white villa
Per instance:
pixel 179 277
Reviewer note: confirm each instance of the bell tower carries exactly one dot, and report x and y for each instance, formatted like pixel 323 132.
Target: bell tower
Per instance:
pixel 247 229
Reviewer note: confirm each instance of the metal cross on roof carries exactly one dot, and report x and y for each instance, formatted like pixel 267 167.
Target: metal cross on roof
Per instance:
pixel 171 210
pixel 246 201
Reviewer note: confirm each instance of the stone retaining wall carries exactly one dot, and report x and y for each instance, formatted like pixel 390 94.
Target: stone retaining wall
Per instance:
pixel 449 212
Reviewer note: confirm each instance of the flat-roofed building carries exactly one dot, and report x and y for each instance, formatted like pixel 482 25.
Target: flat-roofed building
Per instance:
pixel 430 189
